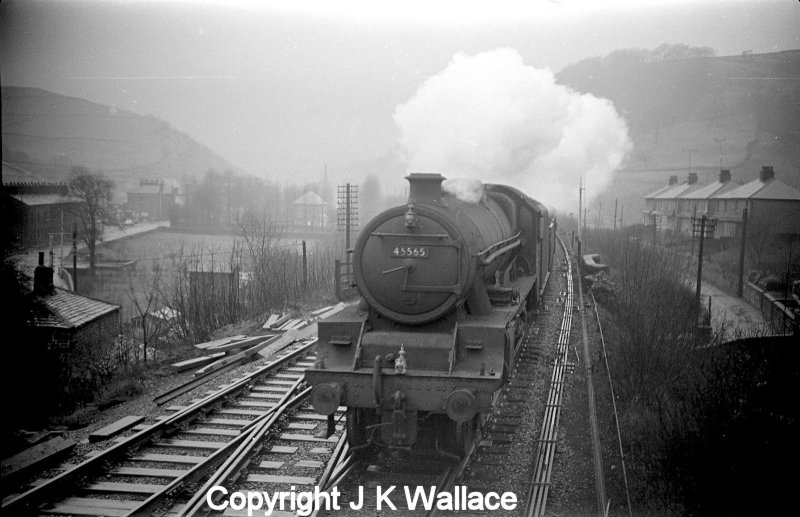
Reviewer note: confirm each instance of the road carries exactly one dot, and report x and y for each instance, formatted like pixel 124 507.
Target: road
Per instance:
pixel 733 316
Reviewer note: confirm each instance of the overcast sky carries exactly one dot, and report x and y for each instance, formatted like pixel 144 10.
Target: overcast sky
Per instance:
pixel 282 88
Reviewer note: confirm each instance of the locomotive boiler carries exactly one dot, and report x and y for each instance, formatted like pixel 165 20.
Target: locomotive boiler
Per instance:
pixel 446 288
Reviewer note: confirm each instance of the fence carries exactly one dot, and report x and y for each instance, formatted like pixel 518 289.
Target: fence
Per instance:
pixel 781 318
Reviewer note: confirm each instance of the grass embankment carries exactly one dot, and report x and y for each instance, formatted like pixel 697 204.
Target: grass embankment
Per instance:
pixel 705 427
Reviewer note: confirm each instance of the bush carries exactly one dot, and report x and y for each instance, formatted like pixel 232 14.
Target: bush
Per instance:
pixel 700 420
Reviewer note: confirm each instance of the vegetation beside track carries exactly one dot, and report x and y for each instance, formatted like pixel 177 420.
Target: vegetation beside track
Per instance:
pixel 705 426
pixel 67 390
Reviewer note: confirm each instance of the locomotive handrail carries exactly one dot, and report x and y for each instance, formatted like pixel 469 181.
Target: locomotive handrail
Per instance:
pixel 488 260
pixel 499 244
pixel 452 356
pixel 422 235
pixel 357 354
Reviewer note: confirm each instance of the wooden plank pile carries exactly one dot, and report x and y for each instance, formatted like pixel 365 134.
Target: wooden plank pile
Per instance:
pixel 221 352
pixel 36 457
pixel 114 429
pixel 226 353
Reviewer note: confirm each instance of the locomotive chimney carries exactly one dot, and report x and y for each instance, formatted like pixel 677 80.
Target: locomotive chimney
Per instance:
pixel 425 189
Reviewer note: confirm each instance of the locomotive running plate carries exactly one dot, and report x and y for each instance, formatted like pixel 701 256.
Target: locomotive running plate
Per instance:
pixel 411 251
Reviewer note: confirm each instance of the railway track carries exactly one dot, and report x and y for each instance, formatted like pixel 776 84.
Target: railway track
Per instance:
pixel 144 473
pixel 536 501
pixel 290 454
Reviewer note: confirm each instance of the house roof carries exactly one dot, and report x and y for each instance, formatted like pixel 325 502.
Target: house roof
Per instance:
pixel 674 191
pixel 771 189
pixel 66 310
pixel 310 198
pixel 712 190
pixel 657 192
pixel 44 199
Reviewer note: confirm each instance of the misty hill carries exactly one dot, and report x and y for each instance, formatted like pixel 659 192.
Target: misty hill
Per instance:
pixel 47 133
pixel 683 104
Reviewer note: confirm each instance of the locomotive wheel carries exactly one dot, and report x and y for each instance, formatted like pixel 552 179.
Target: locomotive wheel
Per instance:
pixel 456 438
pixel 357 421
pixel 465 435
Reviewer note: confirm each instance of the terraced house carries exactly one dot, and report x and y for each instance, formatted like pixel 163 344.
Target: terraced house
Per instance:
pixel 772 206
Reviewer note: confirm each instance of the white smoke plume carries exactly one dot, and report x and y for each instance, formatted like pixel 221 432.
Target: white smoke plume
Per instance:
pixel 466 189
pixel 490 117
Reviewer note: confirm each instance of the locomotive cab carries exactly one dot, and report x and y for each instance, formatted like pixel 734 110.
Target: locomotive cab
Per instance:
pixel 447 286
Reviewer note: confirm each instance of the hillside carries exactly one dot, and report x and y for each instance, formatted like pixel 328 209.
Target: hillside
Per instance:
pixel 47 133
pixel 684 105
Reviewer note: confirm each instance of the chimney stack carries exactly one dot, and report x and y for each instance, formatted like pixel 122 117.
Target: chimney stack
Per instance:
pixel 426 189
pixel 724 175
pixel 673 180
pixel 767 173
pixel 42 277
pixel 692 178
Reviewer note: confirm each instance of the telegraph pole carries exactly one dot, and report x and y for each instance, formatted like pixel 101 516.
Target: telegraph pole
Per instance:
pixel 704 225
pixel 347 210
pixel 616 201
pixel 305 267
pixel 347 223
pixel 580 208
pixel 75 256
pixel 346 218
pixel 600 215
pixel 739 287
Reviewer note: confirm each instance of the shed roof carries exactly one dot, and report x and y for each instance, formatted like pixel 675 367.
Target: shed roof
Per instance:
pixel 44 199
pixel 66 310
pixel 772 189
pixel 13 175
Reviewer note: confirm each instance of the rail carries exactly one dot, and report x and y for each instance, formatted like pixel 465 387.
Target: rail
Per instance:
pixel 248 447
pixel 57 486
pixel 613 405
pixel 597 457
pixel 536 501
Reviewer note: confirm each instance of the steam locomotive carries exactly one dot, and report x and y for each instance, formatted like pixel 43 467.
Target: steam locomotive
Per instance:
pixel 446 288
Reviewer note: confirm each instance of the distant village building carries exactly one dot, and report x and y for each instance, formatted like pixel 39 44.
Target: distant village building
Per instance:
pixel 67 318
pixel 310 211
pixel 771 205
pixel 37 208
pixel 153 199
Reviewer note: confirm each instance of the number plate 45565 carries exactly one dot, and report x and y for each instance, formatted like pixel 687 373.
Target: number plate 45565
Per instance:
pixel 411 252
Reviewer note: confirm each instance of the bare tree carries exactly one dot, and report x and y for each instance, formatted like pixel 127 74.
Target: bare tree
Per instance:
pixel 94 190
pixel 151 318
